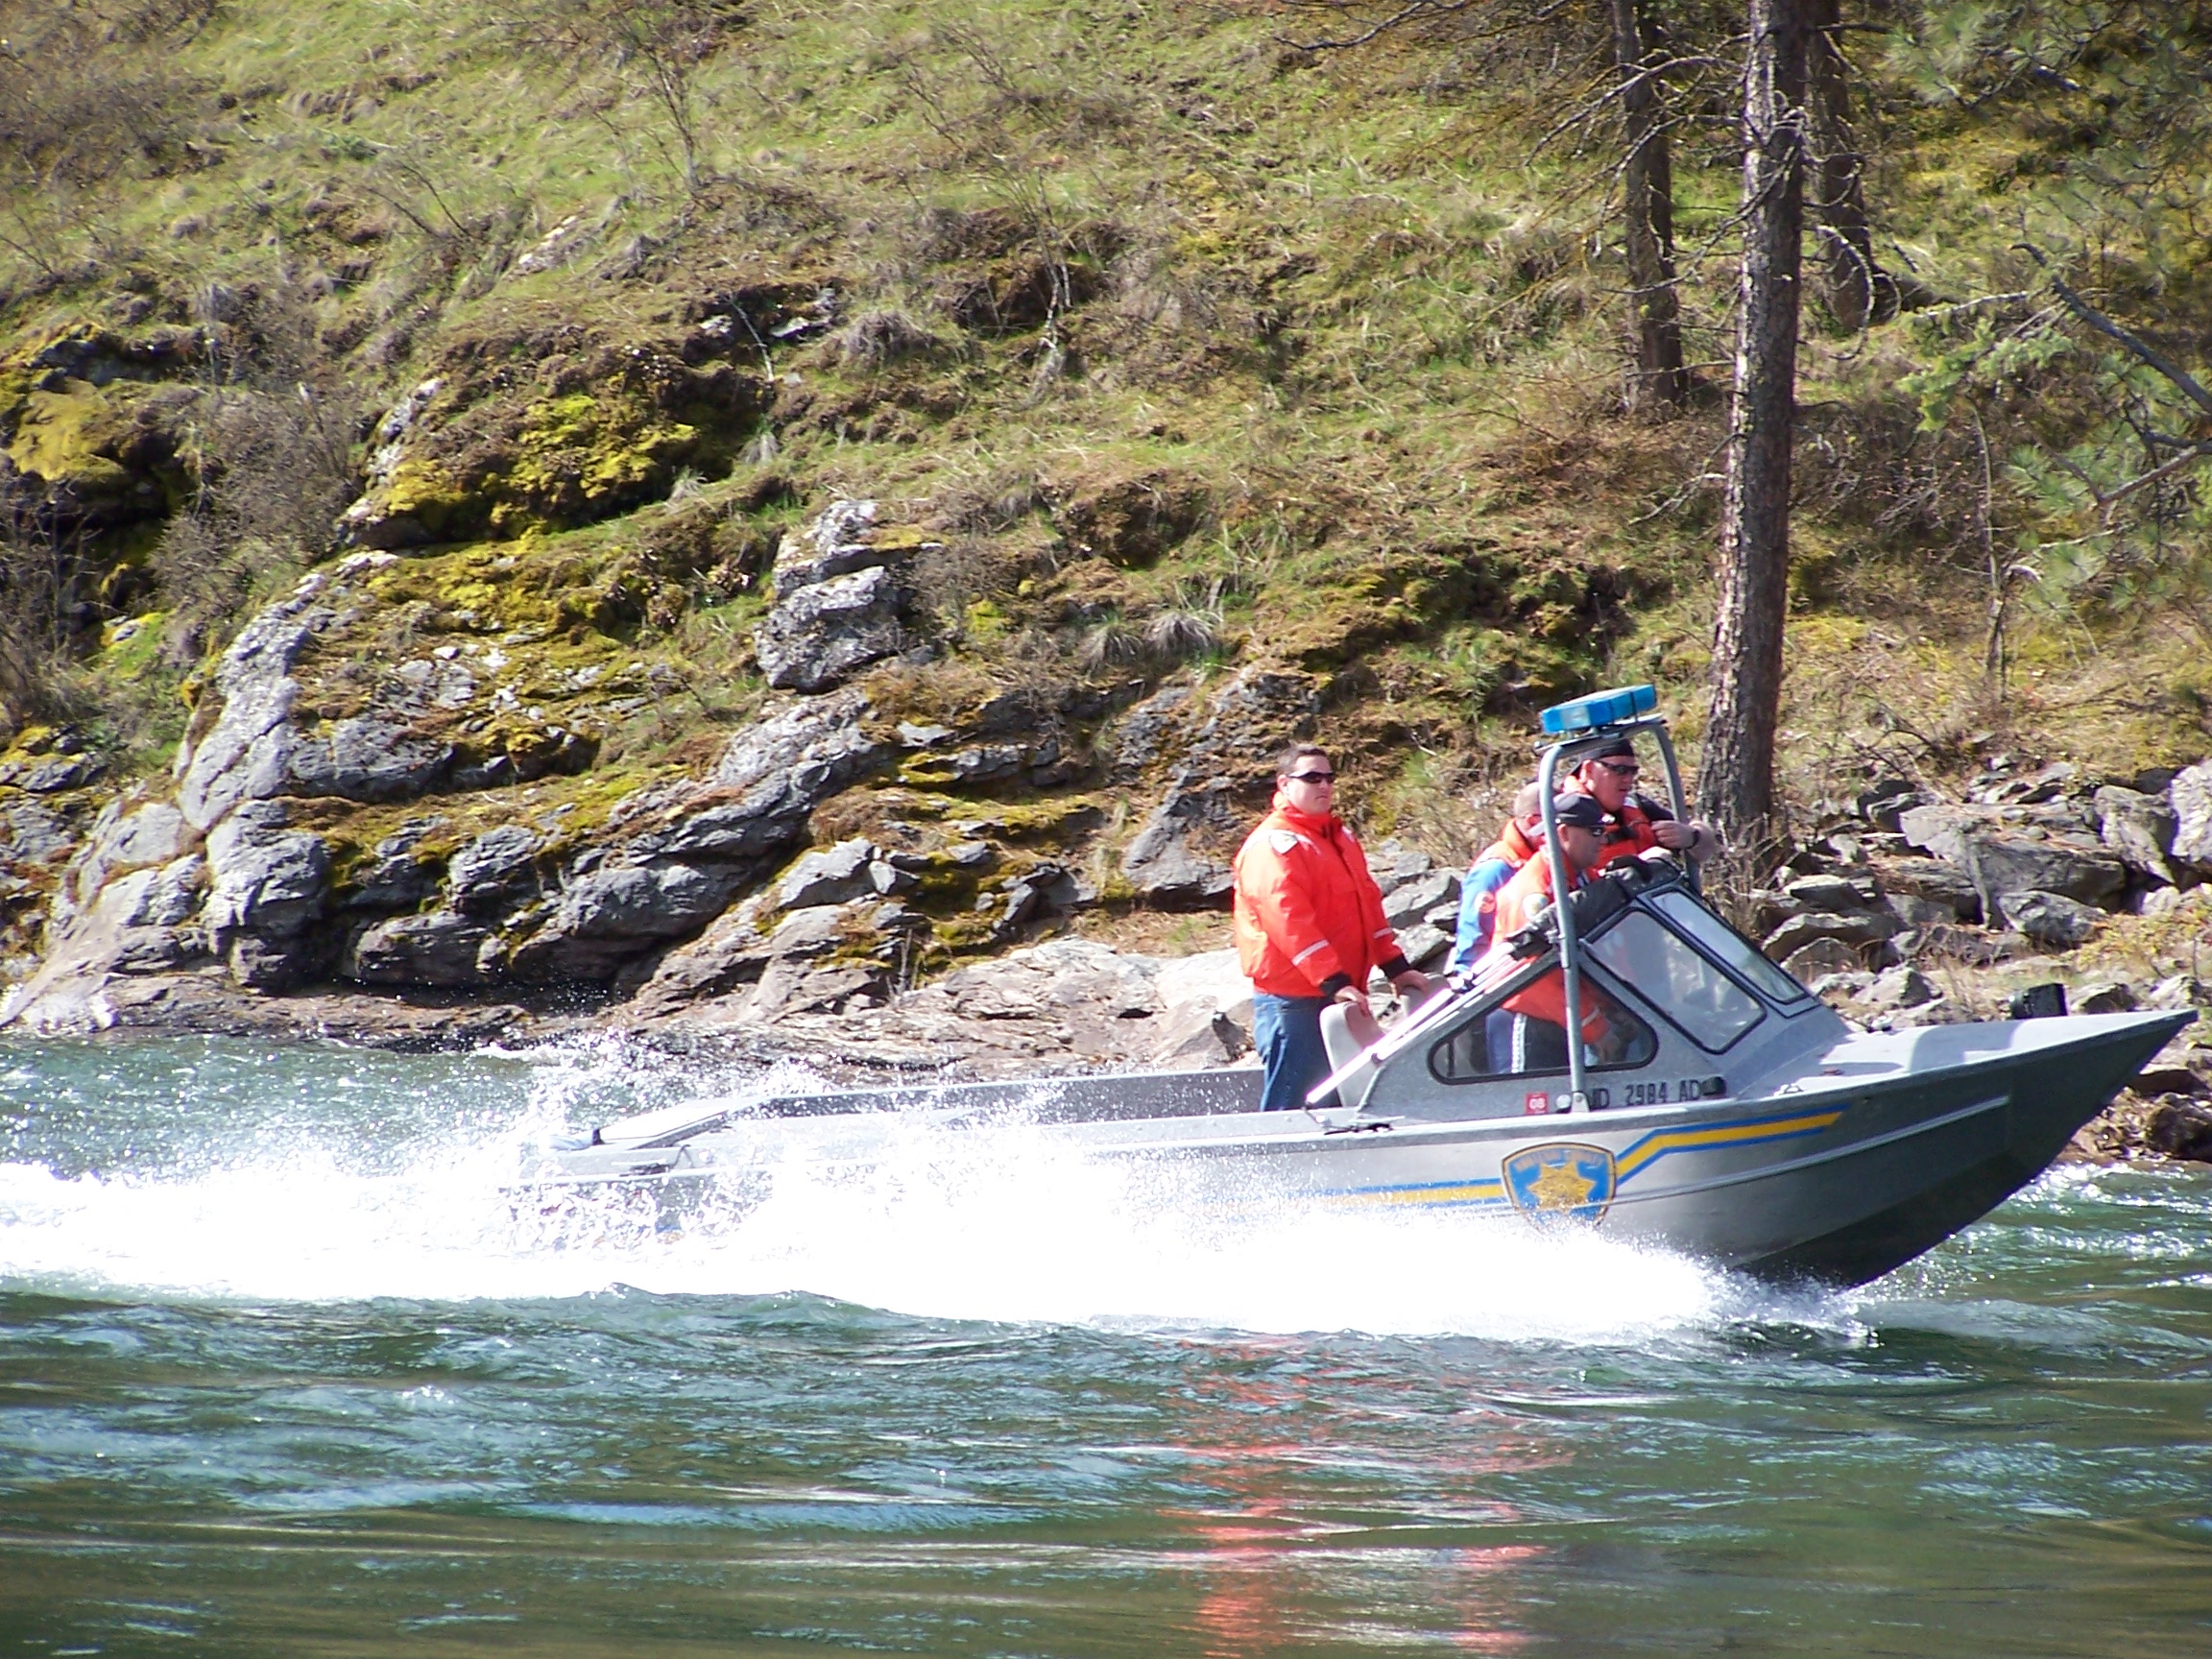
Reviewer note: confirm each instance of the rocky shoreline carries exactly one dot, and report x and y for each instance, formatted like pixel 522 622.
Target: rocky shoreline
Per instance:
pixel 905 888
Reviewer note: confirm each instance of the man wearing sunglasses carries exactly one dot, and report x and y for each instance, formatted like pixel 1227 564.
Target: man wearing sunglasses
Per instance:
pixel 1308 925
pixel 1635 824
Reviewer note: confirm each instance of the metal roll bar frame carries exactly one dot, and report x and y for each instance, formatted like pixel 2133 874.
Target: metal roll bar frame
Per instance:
pixel 1570 952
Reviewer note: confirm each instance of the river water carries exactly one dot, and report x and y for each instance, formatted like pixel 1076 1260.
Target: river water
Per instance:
pixel 286 1368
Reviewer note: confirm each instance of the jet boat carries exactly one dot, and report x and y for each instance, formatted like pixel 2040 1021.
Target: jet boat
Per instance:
pixel 1728 1114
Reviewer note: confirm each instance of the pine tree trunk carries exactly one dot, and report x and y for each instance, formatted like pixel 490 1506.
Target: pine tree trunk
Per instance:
pixel 1859 290
pixel 1736 778
pixel 1647 182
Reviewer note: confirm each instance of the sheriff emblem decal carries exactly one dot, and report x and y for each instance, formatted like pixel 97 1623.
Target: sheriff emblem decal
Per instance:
pixel 1561 1178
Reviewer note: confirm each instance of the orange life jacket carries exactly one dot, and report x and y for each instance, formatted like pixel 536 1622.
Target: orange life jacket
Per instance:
pixel 1512 846
pixel 1547 997
pixel 1307 909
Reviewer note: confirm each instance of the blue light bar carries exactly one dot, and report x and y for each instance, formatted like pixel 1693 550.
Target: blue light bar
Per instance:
pixel 1600 709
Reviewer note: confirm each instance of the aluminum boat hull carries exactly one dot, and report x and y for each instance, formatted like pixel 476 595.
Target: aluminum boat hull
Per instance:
pixel 1867 1151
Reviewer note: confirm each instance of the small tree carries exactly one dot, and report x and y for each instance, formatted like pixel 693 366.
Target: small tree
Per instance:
pixel 652 50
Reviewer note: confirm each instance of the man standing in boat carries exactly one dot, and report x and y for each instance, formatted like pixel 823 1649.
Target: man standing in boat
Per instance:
pixel 1308 925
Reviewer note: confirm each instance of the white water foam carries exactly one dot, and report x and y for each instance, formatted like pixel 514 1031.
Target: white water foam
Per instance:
pixel 1003 1222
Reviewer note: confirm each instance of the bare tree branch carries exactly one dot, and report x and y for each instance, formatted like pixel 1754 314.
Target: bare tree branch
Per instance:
pixel 2183 381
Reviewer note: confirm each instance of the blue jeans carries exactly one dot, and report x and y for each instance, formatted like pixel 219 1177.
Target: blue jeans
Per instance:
pixel 1286 1031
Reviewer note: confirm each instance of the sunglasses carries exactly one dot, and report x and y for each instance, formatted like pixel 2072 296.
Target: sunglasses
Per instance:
pixel 1619 768
pixel 1311 777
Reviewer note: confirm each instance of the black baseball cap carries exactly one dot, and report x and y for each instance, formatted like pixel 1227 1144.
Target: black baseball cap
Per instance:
pixel 1576 811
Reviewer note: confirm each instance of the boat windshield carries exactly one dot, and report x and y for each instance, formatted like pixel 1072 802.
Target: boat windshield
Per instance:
pixel 1680 982
pixel 1484 1047
pixel 1721 942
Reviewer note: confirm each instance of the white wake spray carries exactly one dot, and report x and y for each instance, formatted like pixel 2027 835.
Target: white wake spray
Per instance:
pixel 1000 1221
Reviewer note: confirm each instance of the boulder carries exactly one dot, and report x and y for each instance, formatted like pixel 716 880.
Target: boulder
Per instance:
pixel 1408 902
pixel 834 876
pixel 150 834
pixel 2050 919
pixel 60 772
pixel 1148 731
pixel 1856 929
pixel 2180 1127
pixel 161 896
pixel 1058 980
pixel 608 915
pixel 443 949
pixel 768 781
pixel 1424 944
pixel 1900 987
pixel 2103 997
pixel 1881 803
pixel 1831 893
pixel 2138 826
pixel 36 834
pixel 1967 946
pixel 2191 796
pixel 1944 893
pixel 1211 979
pixel 158 950
pixel 269 885
pixel 841 541
pixel 267 880
pixel 822 635
pixel 153 833
pixel 394 879
pixel 810 962
pixel 1197 1037
pixel 1937 827
pixel 1824 955
pixel 494 872
pixel 2180 991
pixel 1393 863
pixel 368 758
pixel 1042 890
pixel 1179 859
pixel 2001 858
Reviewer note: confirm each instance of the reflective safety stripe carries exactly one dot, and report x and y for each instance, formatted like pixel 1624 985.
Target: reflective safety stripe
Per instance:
pixel 1317 945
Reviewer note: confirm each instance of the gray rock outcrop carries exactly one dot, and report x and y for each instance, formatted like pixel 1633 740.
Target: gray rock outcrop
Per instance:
pixel 268 885
pixel 440 948
pixel 246 755
pixel 1180 858
pixel 2139 828
pixel 608 915
pixel 820 635
pixel 494 872
pixel 839 600
pixel 369 758
pixel 2052 853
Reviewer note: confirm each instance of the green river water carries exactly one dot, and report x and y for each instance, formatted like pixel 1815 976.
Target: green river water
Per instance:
pixel 286 1368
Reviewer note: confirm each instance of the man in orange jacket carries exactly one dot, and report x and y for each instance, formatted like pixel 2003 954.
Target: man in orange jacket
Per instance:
pixel 1637 824
pixel 1308 925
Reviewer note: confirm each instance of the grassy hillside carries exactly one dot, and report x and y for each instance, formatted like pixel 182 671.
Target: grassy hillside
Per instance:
pixel 1178 349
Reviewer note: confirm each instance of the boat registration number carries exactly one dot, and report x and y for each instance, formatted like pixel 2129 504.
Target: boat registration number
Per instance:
pixel 1660 1091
